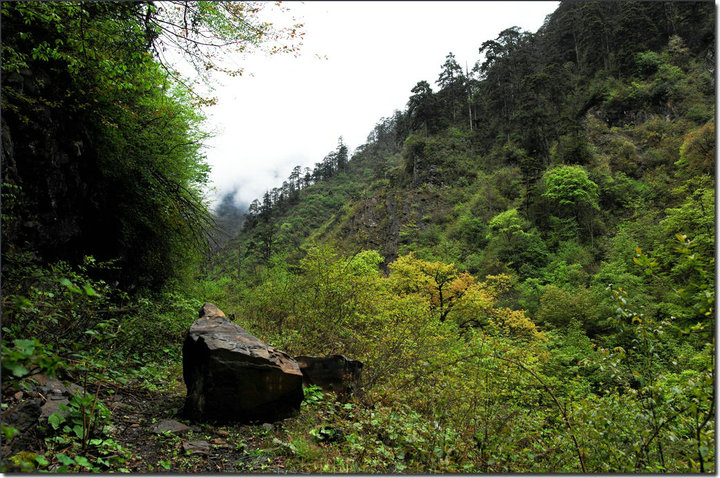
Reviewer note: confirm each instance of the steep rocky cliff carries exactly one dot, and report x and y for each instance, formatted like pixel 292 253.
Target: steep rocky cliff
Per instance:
pixel 51 203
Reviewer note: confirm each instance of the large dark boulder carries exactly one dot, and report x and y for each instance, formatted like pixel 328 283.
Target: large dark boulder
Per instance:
pixel 335 373
pixel 232 376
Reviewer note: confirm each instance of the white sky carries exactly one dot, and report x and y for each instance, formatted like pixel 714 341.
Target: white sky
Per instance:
pixel 292 110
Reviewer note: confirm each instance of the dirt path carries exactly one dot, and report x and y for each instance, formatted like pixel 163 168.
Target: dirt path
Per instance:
pixel 203 448
pixel 145 422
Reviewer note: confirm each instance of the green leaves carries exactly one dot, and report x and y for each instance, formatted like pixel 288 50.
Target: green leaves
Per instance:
pixel 313 395
pixel 8 432
pixel 26 356
pixel 650 266
pixel 508 223
pixel 70 286
pixel 149 170
pixel 64 459
pixel 570 187
pixel 56 419
pixel 17 369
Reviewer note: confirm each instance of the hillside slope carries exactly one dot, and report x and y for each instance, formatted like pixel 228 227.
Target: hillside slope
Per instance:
pixel 462 175
pixel 556 205
pixel 523 259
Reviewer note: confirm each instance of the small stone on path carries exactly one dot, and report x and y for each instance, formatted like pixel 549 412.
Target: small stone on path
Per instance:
pixel 196 447
pixel 172 426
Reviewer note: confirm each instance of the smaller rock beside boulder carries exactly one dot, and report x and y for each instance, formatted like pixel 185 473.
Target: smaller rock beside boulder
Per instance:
pixel 335 373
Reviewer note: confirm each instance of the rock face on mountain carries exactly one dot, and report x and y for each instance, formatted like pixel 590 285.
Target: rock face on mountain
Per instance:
pixel 232 376
pixel 335 373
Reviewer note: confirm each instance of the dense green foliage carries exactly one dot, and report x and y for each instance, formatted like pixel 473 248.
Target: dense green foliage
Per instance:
pixel 101 142
pixel 582 181
pixel 81 73
pixel 103 209
pixel 524 259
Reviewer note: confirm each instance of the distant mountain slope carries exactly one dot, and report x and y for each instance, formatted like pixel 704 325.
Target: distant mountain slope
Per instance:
pixel 611 89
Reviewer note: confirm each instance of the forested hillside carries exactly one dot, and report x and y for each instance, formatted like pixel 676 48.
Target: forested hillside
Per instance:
pixel 523 258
